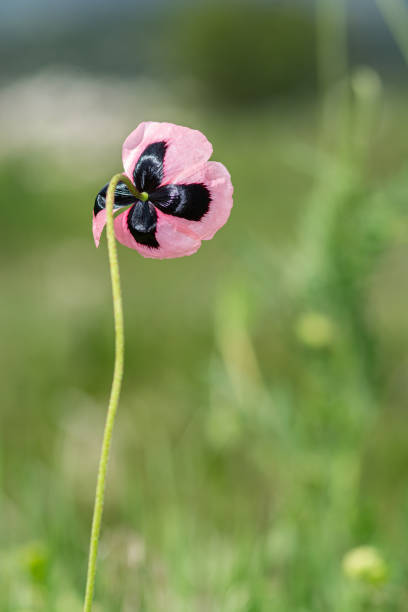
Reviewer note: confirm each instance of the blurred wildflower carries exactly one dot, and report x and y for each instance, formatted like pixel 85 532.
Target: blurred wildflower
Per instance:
pixel 237 598
pixel 35 559
pixel 314 330
pixel 124 554
pixel 235 342
pixel 366 83
pixel 118 540
pixel 238 395
pixel 223 425
pixel 366 86
pixel 23 573
pixel 70 602
pixel 281 544
pixel 79 444
pixel 365 564
pixel 178 198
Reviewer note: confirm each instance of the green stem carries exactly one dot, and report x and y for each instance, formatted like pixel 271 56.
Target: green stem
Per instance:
pixel 116 384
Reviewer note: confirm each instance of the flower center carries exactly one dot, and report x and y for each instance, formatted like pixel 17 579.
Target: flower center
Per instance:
pixel 143 196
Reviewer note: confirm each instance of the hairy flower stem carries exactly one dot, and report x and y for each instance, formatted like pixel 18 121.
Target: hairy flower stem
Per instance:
pixel 116 384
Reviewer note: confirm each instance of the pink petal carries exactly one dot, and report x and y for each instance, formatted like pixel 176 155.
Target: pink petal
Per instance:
pixel 98 223
pixel 173 242
pixel 217 179
pixel 187 149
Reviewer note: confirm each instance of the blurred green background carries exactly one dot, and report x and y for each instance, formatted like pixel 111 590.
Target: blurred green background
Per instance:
pixel 262 433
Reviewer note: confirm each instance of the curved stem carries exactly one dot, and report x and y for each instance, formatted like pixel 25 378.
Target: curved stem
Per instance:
pixel 116 386
pixel 124 179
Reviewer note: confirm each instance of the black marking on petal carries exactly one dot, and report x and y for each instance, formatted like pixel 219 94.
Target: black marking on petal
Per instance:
pixel 187 201
pixel 123 197
pixel 142 222
pixel 148 172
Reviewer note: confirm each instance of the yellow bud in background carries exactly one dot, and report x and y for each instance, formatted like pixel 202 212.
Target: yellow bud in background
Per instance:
pixel 365 564
pixel 366 83
pixel 35 560
pixel 315 330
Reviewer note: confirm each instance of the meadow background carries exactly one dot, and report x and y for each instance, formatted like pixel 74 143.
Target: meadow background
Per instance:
pixel 262 432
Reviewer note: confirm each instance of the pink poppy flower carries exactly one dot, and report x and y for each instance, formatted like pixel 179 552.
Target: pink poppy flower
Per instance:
pixel 189 197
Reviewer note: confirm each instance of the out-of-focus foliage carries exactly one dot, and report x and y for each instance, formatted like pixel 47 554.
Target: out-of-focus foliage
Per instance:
pixel 243 53
pixel 261 432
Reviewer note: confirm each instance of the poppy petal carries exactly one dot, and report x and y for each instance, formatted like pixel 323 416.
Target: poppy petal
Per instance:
pixel 187 201
pixel 148 172
pixel 123 197
pixel 142 221
pixel 171 242
pixel 186 149
pixel 203 204
pixel 98 223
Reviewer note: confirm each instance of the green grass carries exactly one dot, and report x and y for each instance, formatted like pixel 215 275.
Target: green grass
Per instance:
pixel 262 429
